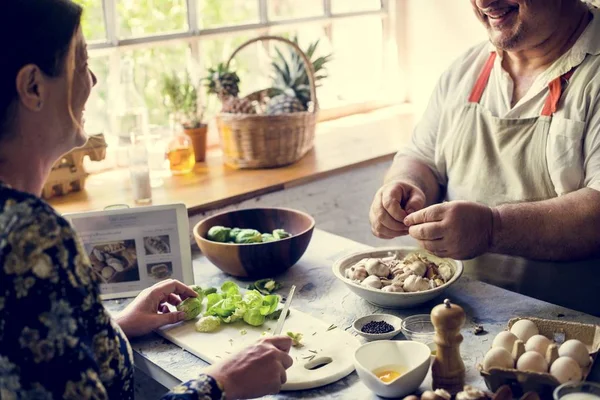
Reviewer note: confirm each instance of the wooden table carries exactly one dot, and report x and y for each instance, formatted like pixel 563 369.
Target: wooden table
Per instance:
pixel 321 294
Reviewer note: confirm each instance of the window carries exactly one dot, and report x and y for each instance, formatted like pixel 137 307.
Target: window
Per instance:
pixel 149 38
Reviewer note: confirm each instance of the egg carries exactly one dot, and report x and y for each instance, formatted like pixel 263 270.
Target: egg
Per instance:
pixel 576 350
pixel 538 343
pixel 506 340
pixel 497 357
pixel 524 329
pixel 565 369
pixel 532 361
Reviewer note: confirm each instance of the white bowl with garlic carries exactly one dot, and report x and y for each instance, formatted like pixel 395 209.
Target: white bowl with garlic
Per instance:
pixel 397 277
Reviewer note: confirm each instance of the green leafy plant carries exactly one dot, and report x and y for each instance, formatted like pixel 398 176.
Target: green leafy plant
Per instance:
pixel 180 96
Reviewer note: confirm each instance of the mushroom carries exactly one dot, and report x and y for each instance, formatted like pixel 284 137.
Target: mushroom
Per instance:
pixel 445 272
pixel 416 284
pixel 372 282
pixel 394 288
pixel 471 393
pixel 357 273
pixel 376 267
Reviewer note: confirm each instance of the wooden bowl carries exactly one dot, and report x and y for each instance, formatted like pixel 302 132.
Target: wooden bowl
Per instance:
pixel 257 260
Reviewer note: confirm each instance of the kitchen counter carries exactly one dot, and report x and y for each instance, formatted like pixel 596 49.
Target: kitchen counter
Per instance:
pixel 322 295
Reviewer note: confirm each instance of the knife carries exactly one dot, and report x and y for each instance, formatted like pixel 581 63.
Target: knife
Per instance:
pixel 283 315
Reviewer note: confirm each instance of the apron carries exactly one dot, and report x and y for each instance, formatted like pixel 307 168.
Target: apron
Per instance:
pixel 495 161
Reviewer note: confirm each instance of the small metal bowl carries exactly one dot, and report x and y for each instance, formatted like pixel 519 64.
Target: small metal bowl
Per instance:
pixel 390 319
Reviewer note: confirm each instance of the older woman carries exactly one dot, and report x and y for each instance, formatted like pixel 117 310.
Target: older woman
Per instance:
pixel 56 339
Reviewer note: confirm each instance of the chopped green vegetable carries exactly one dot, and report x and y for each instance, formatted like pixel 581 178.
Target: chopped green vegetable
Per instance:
pixel 248 236
pixel 208 324
pixel 208 291
pixel 331 327
pixel 198 290
pixel 277 314
pixel 233 234
pixel 296 339
pixel 243 332
pixel 191 306
pixel 267 237
pixel 219 234
pixel 281 234
pixel 265 286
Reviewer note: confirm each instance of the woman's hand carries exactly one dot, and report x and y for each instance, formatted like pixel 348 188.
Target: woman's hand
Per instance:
pixel 142 316
pixel 256 371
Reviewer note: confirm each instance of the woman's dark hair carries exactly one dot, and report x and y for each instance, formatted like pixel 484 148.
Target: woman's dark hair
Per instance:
pixel 38 32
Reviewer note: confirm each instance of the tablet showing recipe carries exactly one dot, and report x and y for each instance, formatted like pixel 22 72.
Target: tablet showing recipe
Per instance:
pixel 131 249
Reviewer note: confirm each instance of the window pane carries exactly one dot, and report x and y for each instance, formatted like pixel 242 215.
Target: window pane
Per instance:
pixel 357 68
pixel 149 67
pixel 287 9
pixel 96 110
pixel 345 6
pixel 149 17
pixel 216 13
pixel 93 20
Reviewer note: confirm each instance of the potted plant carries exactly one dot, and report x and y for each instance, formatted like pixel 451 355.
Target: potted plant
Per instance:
pixel 181 98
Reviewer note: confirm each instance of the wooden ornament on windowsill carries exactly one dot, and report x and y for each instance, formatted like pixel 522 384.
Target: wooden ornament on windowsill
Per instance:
pixel 68 174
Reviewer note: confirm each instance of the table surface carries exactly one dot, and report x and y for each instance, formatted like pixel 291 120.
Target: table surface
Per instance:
pixel 322 295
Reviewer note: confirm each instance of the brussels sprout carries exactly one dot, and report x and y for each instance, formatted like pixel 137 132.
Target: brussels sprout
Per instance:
pixel 191 306
pixel 267 237
pixel 296 339
pixel 208 324
pixel 208 291
pixel 233 234
pixel 281 234
pixel 219 234
pixel 265 286
pixel 197 289
pixel 248 236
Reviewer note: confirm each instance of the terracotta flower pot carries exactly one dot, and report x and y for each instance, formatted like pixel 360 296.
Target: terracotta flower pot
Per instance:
pixel 198 136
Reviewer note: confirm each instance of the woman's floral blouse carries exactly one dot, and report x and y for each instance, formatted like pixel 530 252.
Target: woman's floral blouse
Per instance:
pixel 56 339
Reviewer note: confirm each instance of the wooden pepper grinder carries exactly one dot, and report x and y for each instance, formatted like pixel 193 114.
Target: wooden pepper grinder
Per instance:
pixel 448 369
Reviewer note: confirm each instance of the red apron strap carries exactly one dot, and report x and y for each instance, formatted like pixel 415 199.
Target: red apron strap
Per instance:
pixel 556 91
pixel 482 81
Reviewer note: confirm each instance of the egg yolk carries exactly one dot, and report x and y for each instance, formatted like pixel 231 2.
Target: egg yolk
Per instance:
pixel 388 375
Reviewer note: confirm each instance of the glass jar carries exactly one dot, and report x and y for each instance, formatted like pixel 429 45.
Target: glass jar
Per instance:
pixel 180 153
pixel 139 171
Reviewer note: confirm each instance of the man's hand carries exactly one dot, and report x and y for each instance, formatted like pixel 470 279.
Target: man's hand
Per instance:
pixel 256 371
pixel 457 229
pixel 141 315
pixel 392 203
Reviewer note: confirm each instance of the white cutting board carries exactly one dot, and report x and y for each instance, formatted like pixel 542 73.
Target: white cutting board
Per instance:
pixel 334 344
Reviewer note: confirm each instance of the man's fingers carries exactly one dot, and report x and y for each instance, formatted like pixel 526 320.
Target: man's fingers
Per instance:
pixel 436 247
pixel 283 343
pixel 415 202
pixel 173 299
pixel 430 214
pixel 167 319
pixel 286 360
pixel 391 204
pixel 427 231
pixel 163 308
pixel 387 221
pixel 385 233
pixel 283 377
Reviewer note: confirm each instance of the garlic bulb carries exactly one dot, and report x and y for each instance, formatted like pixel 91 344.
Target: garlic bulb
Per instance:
pixel 565 369
pixel 418 267
pixel 377 268
pixel 445 272
pixel 393 288
pixel 576 350
pixel 532 361
pixel 372 282
pixel 416 284
pixel 357 273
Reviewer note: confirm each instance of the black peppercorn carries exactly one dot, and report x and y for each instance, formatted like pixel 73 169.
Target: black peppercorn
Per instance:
pixel 377 327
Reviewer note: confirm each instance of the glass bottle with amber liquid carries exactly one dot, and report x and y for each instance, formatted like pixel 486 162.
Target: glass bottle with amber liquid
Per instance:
pixel 180 153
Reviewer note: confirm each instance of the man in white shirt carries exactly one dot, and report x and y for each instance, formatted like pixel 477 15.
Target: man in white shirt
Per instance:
pixel 511 141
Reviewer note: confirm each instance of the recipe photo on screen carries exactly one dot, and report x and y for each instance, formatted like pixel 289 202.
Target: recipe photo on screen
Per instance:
pixel 132 252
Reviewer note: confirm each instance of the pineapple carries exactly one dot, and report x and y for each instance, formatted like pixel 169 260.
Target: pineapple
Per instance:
pixel 291 86
pixel 225 84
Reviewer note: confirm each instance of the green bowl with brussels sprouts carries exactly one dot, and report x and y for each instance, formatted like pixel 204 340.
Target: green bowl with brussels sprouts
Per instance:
pixel 255 243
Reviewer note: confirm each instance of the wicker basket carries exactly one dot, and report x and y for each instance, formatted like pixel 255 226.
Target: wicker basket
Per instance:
pixel 268 141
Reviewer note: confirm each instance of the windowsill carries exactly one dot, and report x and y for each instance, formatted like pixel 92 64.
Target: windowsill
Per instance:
pixel 340 145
